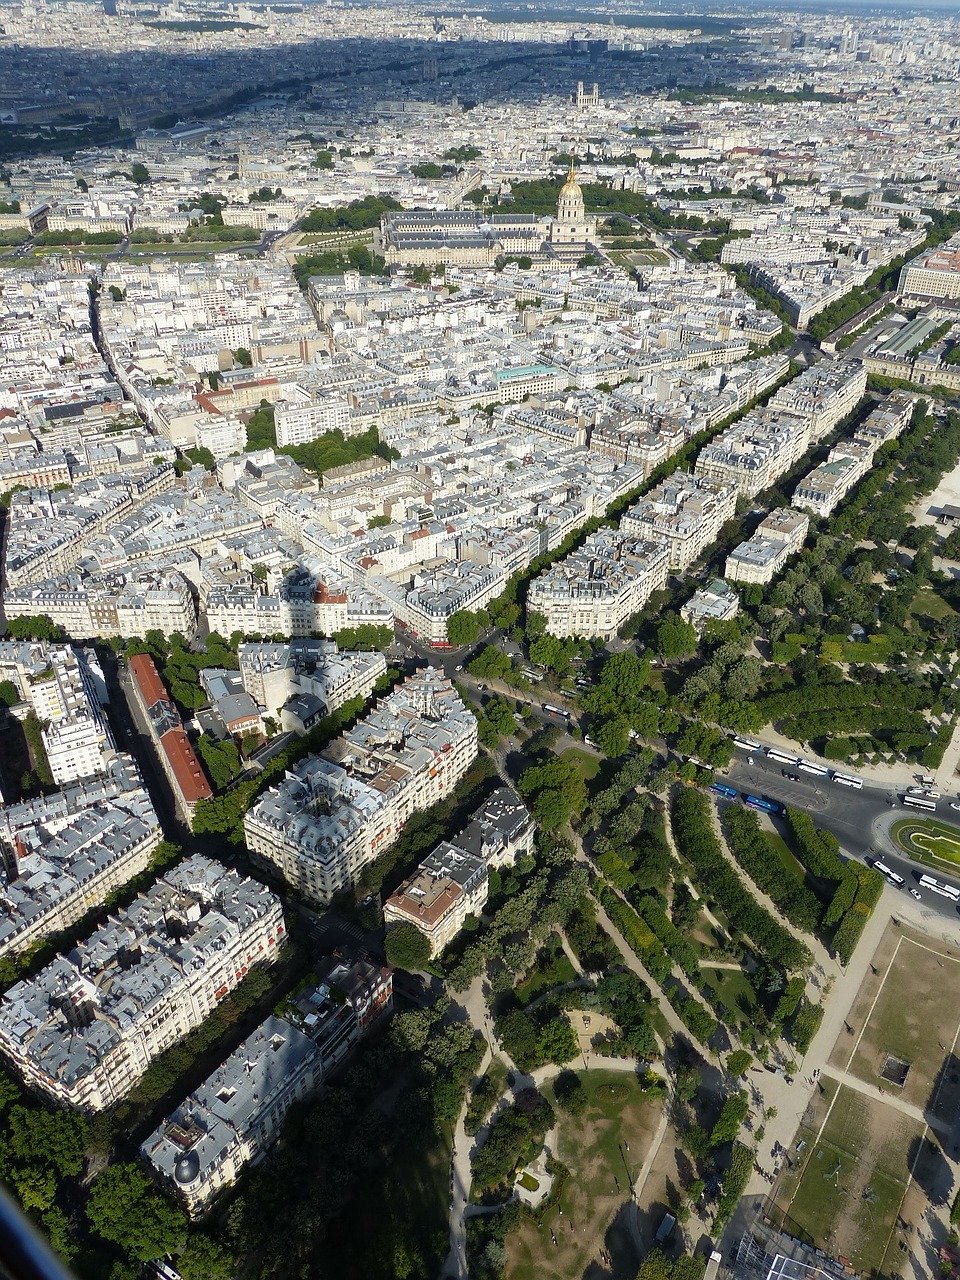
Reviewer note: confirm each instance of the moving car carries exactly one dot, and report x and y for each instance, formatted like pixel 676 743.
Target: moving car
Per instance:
pixel 915 893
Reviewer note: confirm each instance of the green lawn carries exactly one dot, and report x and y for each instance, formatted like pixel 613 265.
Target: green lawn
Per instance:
pixel 587 765
pixel 733 988
pixel 551 969
pixel 926 601
pixel 929 838
pixel 783 853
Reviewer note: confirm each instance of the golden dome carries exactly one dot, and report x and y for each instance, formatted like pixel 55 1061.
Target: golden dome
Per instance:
pixel 571 187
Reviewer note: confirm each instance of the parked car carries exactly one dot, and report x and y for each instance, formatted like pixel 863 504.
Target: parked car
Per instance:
pixel 915 893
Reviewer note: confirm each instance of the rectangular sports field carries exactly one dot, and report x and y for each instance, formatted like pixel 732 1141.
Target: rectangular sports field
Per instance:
pixel 903 1031
pixel 853 1182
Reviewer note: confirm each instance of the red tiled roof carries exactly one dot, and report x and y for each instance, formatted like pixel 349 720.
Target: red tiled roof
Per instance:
pixel 186 767
pixel 152 688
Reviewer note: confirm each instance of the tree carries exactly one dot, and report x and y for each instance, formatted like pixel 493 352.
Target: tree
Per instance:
pixel 407 947
pixel 557 1041
pixel 139 173
pixel 570 1093
pixel 124 1208
pixel 204 1259
pixel 625 675
pixel 732 1115
pixel 243 357
pixel 675 639
pixel 655 1266
pixel 612 736
pixel 464 627
pixel 739 1062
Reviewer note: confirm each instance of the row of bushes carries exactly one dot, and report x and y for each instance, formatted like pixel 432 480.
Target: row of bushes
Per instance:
pixel 750 847
pixel 857 888
pixel 698 843
pixel 637 934
pixel 672 940
pixel 691 1012
pixel 734 1185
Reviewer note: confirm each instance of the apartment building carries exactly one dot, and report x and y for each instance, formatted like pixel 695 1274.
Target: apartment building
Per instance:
pixel 85 1029
pixel 596 588
pixel 177 757
pixel 685 512
pixel 759 559
pixel 62 854
pixel 823 394
pixel 233 1118
pixel 300 423
pixel 117 604
pixel 452 882
pixel 446 888
pixel 714 603
pixel 338 811
pixel 755 452
pixel 55 682
pixel 820 491
pixel 273 673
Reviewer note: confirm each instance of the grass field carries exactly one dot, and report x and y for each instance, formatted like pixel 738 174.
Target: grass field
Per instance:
pixel 782 851
pixel 591 1199
pixel 854 1180
pixel 915 1018
pixel 587 765
pixel 732 986
pixel 927 602
pixel 931 838
pixel 550 970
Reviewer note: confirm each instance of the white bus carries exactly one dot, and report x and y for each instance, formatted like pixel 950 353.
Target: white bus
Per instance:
pixel 920 802
pixel 895 880
pixel 745 744
pixel 774 753
pixel 937 886
pixel 554 711
pixel 846 780
pixel 808 766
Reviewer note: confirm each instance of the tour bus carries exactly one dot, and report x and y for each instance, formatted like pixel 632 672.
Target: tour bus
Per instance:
pixel 554 711
pixel 895 880
pixel 920 802
pixel 719 789
pixel 767 806
pixel 745 744
pixel 937 886
pixel 847 780
pixel 774 753
pixel 809 767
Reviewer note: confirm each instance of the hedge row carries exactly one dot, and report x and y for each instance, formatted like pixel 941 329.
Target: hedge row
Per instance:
pixel 637 934
pixel 674 943
pixel 806 1025
pixel 752 850
pixel 813 699
pixel 694 1016
pixel 858 888
pixel 734 1184
pixel 698 843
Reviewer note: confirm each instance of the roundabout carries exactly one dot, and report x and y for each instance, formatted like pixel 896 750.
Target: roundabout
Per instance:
pixel 928 840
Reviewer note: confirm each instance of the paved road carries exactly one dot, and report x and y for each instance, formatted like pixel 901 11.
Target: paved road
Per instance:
pixel 861 820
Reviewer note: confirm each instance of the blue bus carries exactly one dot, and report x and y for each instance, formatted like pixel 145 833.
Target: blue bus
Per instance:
pixel 766 806
pixel 719 789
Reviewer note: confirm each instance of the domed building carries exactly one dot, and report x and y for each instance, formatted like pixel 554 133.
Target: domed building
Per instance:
pixel 571 231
